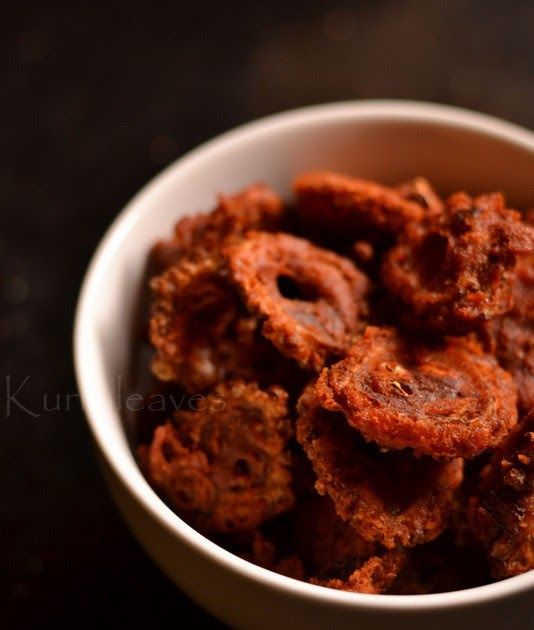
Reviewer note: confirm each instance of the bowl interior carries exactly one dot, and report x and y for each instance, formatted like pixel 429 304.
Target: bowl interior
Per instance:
pixel 389 142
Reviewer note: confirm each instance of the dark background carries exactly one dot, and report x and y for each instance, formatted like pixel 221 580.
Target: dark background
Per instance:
pixel 96 99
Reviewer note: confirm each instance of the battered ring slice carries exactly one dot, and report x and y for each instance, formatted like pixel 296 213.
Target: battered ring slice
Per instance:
pixel 391 498
pixel 501 515
pixel 311 300
pixel 449 400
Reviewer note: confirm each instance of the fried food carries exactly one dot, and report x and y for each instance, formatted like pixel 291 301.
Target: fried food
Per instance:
pixel 257 207
pixel 225 467
pixel 201 330
pixel 512 335
pixel 420 191
pixel 375 576
pixel 391 498
pixel 451 400
pixel 501 514
pixel 329 547
pixel 311 300
pixel 400 467
pixel 455 270
pixel 343 206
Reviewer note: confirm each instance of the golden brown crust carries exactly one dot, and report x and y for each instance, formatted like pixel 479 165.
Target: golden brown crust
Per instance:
pixel 225 467
pixel 451 400
pixel 455 270
pixel 501 514
pixel 391 498
pixel 311 300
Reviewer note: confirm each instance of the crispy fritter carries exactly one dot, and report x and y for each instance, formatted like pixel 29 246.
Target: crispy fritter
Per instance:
pixel 455 270
pixel 257 207
pixel 311 300
pixel 501 514
pixel 345 206
pixel 420 191
pixel 202 332
pixel 512 335
pixel 329 546
pixel 391 498
pixel 225 467
pixel 450 400
pixel 374 576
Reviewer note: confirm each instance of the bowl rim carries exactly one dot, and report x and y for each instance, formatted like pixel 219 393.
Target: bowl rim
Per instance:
pixel 98 415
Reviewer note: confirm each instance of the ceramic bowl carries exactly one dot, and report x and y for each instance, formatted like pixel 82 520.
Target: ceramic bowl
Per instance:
pixel 387 141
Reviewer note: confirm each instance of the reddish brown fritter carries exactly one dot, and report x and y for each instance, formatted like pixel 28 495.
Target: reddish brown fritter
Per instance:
pixel 391 498
pixel 441 566
pixel 455 270
pixel 225 467
pixel 501 515
pixel 329 546
pixel 420 191
pixel 512 335
pixel 345 206
pixel 201 330
pixel 375 575
pixel 311 300
pixel 257 207
pixel 450 400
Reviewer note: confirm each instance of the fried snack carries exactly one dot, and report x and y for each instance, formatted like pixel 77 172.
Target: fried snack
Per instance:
pixel 225 467
pixel 257 207
pixel 420 191
pixel 201 330
pixel 345 206
pixel 375 576
pixel 512 335
pixel 441 566
pixel 391 498
pixel 455 270
pixel 450 400
pixel 328 546
pixel 311 300
pixel 501 514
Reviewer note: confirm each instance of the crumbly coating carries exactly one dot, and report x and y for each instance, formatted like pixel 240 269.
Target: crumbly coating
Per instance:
pixel 420 191
pixel 501 514
pixel 225 467
pixel 374 576
pixel 451 400
pixel 311 301
pixel 512 335
pixel 391 498
pixel 201 330
pixel 455 270
pixel 345 205
pixel 256 207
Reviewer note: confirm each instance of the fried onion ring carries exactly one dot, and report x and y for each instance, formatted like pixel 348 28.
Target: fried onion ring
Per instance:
pixel 451 400
pixel 311 300
pixel 391 498
pixel 225 466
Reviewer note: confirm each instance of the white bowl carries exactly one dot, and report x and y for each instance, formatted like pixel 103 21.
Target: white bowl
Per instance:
pixel 388 141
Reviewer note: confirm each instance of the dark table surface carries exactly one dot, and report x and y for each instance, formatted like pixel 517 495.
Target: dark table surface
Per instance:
pixel 96 99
